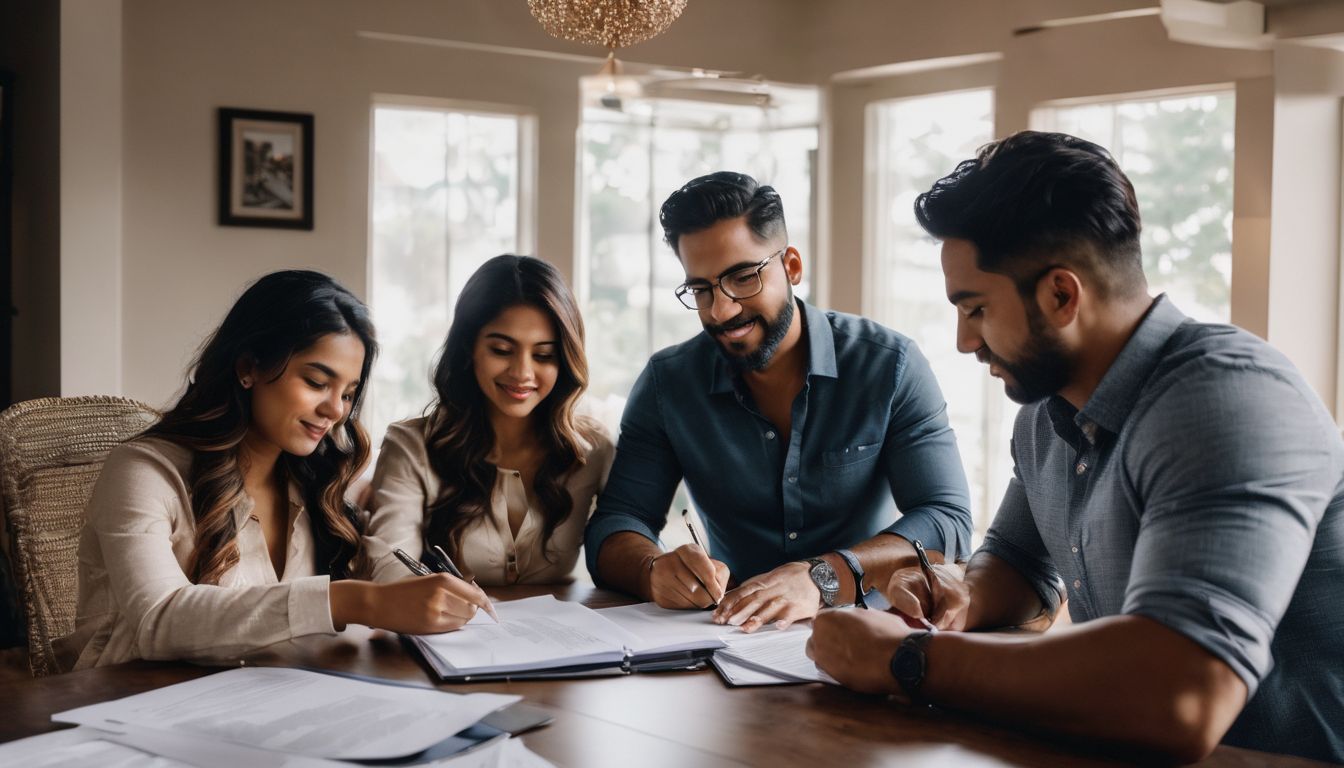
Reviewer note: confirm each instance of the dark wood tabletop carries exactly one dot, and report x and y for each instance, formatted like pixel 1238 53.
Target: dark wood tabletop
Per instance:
pixel 671 718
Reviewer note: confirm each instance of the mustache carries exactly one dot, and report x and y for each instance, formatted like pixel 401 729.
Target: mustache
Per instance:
pixel 734 324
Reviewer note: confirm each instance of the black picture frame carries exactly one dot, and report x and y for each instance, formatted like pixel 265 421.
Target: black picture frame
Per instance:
pixel 6 238
pixel 265 169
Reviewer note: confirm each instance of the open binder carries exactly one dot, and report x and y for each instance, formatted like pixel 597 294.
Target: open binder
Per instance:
pixel 541 638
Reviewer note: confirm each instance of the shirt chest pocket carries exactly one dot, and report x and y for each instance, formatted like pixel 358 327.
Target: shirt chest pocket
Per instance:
pixel 846 472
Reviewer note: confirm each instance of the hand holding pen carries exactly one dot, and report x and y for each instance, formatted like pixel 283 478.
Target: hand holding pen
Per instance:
pixel 687 577
pixel 445 564
pixel 929 596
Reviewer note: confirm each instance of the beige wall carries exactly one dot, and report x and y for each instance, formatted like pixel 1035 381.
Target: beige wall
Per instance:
pixel 182 59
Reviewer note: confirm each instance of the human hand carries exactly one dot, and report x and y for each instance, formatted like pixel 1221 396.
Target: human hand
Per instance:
pixel 855 647
pixel 783 595
pixel 940 596
pixel 680 578
pixel 422 605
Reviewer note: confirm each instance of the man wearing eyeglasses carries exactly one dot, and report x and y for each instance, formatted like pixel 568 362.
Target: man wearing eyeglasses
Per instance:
pixel 814 444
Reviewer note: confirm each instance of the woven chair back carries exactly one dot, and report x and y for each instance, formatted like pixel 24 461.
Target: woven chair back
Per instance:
pixel 51 451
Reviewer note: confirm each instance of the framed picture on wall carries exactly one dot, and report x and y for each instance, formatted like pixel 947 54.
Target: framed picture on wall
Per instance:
pixel 265 169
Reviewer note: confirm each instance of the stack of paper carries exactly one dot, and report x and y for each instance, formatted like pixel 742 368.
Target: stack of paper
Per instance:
pixel 765 657
pixel 543 637
pixel 269 717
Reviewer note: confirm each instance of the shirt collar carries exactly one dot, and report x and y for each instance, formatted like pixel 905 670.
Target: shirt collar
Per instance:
pixel 820 351
pixel 244 507
pixel 1119 389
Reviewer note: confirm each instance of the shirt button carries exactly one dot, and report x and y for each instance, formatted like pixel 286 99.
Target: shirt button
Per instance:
pixel 793 535
pixel 1081 468
pixel 770 434
pixel 793 478
pixel 1075 550
pixel 1077 584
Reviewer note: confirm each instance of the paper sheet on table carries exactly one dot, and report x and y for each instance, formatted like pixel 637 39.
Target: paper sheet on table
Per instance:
pixel 531 633
pixel 300 712
pixel 665 628
pixel 782 654
pixel 79 747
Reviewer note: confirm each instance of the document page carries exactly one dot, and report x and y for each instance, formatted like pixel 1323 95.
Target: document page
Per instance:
pixel 299 712
pixel 532 634
pixel 664 629
pixel 782 654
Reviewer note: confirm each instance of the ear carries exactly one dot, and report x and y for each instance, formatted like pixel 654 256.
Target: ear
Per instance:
pixel 793 265
pixel 246 372
pixel 1058 294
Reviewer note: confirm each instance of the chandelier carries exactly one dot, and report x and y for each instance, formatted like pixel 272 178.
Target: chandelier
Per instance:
pixel 612 24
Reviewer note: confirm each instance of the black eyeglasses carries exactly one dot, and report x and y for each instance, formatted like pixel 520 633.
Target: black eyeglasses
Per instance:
pixel 736 285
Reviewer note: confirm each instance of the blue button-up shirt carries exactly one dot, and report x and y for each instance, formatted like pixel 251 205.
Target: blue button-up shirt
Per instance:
pixel 1202 486
pixel 869 436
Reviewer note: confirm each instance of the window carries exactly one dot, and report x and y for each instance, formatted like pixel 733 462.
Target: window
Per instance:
pixel 635 151
pixel 1177 151
pixel 447 196
pixel 911 143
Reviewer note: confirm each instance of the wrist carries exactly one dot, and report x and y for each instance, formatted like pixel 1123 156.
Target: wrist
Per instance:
pixel 351 603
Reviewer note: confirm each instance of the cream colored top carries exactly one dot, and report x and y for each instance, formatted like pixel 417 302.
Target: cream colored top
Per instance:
pixel 404 485
pixel 135 600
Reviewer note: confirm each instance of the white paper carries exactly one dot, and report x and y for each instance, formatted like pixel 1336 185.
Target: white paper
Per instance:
pixel 291 710
pixel 667 629
pixel 78 747
pixel 534 633
pixel 782 654
pixel 737 674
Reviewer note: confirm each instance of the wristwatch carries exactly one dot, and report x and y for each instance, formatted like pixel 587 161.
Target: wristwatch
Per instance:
pixel 855 568
pixel 824 576
pixel 909 663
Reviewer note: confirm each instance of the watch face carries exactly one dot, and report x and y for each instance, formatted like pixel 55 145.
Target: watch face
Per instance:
pixel 907 666
pixel 824 576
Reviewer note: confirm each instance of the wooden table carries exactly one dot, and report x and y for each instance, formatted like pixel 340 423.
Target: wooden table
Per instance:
pixel 667 719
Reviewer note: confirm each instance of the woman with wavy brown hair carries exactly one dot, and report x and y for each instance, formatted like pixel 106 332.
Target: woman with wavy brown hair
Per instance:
pixel 503 471
pixel 224 526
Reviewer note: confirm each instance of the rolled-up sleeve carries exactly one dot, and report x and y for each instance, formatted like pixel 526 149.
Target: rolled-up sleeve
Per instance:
pixel 1237 477
pixel 643 477
pixel 1014 538
pixel 922 465
pixel 132 513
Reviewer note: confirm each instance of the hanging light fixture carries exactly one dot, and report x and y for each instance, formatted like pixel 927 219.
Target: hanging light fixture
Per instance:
pixel 612 24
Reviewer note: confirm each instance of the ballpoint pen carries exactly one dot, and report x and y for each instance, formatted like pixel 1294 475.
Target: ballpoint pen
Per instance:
pixel 445 566
pixel 927 568
pixel 446 563
pixel 695 537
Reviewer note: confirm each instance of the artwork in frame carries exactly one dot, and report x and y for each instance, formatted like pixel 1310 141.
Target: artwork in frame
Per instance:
pixel 265 169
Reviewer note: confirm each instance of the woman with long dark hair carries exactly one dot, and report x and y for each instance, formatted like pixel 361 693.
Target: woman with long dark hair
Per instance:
pixel 224 526
pixel 503 471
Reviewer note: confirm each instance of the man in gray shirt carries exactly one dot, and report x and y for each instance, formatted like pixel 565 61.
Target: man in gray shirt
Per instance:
pixel 1178 483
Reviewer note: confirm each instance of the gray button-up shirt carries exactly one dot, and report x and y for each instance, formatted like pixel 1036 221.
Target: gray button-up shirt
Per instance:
pixel 869 436
pixel 1202 486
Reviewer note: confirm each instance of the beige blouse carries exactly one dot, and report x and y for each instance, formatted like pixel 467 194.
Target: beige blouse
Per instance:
pixel 404 485
pixel 135 600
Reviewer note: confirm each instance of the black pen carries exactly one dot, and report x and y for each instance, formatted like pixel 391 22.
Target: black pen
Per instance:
pixel 446 564
pixel 695 537
pixel 927 568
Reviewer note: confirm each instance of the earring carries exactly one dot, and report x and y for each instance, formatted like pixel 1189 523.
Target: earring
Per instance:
pixel 246 381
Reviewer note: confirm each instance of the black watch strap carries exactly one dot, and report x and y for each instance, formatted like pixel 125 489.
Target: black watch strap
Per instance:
pixel 909 663
pixel 855 568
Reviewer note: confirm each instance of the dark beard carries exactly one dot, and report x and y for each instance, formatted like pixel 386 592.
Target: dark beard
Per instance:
pixel 1041 370
pixel 775 331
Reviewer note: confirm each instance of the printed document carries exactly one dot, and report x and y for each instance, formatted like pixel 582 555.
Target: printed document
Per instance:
pixel 299 712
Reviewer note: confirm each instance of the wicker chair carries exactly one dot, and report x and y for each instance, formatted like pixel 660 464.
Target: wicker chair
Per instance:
pixel 51 451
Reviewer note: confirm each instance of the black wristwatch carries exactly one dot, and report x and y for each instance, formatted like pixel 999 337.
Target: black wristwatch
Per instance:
pixel 855 568
pixel 909 663
pixel 824 576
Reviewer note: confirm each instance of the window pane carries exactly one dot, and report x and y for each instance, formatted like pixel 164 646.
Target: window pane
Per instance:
pixel 1177 152
pixel 445 199
pixel 632 159
pixel 912 143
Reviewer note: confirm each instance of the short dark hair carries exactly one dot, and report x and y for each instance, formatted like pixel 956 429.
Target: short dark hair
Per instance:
pixel 705 201
pixel 1034 200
